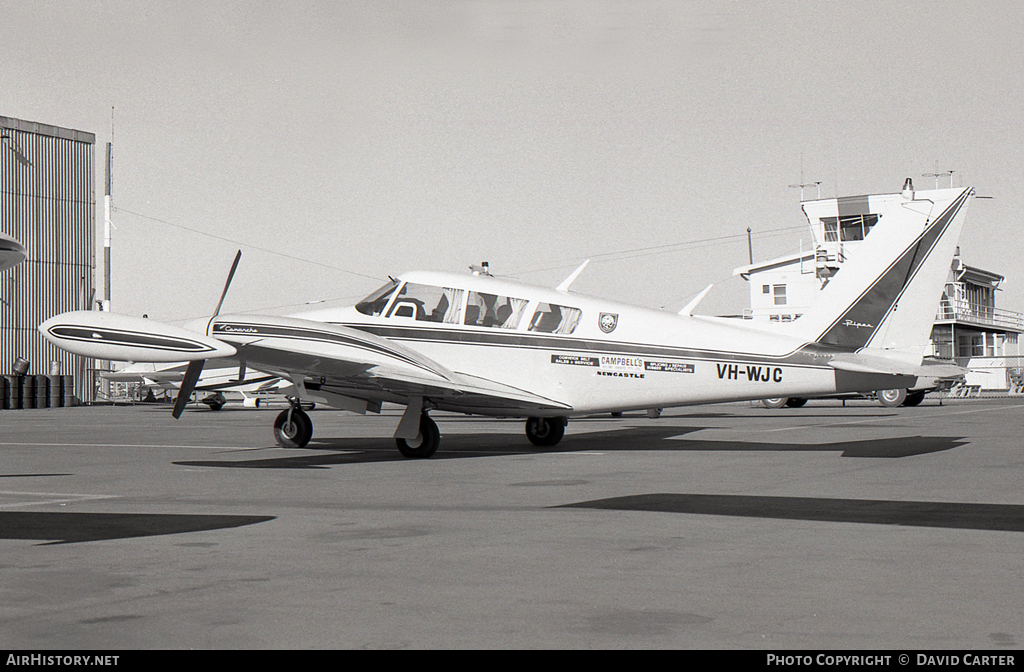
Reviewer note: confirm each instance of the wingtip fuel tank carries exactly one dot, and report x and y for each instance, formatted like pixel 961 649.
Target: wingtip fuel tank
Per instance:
pixel 130 339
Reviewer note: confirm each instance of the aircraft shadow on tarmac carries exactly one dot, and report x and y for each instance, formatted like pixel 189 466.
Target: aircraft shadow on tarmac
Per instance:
pixel 967 516
pixel 70 528
pixel 327 452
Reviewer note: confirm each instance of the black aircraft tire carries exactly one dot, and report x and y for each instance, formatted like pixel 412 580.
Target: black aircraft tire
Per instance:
pixel 545 432
pixel 795 402
pixel 914 398
pixel 775 402
pixel 295 434
pixel 891 398
pixel 428 440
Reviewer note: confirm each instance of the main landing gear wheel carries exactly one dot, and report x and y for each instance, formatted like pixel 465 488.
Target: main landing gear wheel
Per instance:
pixel 775 402
pixel 914 398
pixel 424 445
pixel 545 432
pixel 293 428
pixel 795 402
pixel 891 398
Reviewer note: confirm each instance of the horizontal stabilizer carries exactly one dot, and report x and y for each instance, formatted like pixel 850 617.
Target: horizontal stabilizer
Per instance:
pixel 129 339
pixel 866 363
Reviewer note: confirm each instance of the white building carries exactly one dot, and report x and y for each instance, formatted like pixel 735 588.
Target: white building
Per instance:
pixel 969 328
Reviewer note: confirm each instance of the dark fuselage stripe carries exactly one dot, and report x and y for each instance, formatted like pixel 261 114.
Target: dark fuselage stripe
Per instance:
pixel 808 356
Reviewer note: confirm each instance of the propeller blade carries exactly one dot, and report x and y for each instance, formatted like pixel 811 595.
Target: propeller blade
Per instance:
pixel 227 284
pixel 188 383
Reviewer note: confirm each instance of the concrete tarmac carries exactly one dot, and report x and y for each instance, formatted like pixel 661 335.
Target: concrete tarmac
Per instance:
pixel 717 527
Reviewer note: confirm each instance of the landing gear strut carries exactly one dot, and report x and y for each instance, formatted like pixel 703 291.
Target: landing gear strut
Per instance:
pixel 293 428
pixel 545 432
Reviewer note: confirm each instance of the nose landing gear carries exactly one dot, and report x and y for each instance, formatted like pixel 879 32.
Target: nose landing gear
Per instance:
pixel 293 428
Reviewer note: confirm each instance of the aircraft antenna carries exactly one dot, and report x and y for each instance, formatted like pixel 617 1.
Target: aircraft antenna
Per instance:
pixel 937 175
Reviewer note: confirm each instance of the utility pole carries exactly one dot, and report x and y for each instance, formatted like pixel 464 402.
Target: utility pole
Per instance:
pixel 105 306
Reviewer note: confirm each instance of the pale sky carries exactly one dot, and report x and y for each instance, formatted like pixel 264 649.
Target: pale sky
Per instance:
pixel 339 142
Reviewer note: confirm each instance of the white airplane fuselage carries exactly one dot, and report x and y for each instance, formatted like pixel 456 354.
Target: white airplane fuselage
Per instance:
pixel 643 358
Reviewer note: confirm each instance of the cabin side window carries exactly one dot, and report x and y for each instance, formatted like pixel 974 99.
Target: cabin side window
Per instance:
pixel 494 310
pixel 550 318
pixel 375 303
pixel 427 303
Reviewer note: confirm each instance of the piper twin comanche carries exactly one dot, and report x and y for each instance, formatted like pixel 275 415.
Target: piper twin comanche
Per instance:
pixel 481 345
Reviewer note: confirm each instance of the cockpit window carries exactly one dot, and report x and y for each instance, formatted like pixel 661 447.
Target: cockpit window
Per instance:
pixel 428 303
pixel 375 303
pixel 554 319
pixel 493 310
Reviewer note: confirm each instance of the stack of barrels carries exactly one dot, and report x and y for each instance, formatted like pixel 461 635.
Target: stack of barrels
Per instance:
pixel 20 390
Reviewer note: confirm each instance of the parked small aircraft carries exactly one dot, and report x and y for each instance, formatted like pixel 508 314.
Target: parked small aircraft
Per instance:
pixel 477 344
pixel 11 252
pixel 213 386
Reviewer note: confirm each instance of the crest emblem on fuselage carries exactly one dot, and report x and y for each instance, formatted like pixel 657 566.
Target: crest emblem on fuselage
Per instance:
pixel 608 322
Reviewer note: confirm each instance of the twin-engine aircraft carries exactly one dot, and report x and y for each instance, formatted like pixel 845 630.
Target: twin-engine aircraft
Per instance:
pixel 481 345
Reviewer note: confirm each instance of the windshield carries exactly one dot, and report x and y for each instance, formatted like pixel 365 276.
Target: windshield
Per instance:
pixel 374 304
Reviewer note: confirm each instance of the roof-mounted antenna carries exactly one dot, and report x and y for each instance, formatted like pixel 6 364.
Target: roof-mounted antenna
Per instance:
pixel 803 184
pixel 688 308
pixel 564 287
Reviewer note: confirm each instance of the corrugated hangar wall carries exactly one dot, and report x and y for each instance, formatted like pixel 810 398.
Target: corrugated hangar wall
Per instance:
pixel 48 204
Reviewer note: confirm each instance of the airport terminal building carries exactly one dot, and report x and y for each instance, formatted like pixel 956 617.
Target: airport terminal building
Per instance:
pixel 48 204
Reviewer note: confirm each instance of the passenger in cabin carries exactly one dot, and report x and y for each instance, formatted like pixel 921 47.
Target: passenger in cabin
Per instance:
pixel 494 311
pixel 438 313
pixel 503 314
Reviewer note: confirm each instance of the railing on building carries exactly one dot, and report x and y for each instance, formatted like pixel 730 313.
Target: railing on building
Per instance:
pixel 962 311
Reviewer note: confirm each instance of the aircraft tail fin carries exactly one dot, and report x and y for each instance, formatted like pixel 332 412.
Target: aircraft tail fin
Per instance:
pixel 885 297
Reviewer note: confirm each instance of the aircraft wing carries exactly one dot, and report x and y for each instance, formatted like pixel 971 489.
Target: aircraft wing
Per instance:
pixel 344 367
pixel 150 376
pixel 331 360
